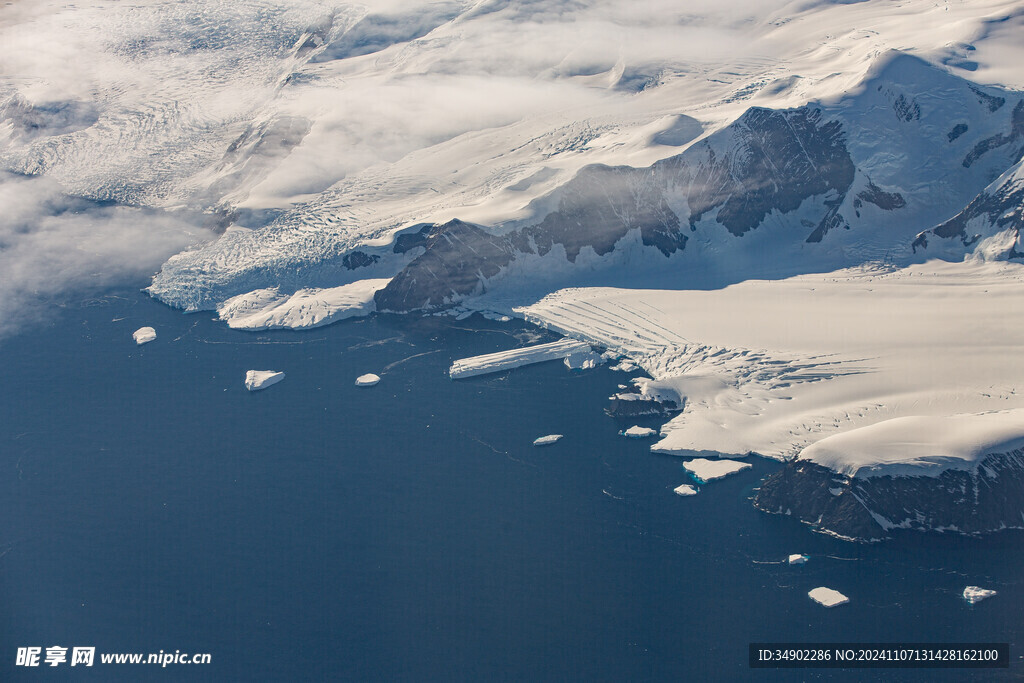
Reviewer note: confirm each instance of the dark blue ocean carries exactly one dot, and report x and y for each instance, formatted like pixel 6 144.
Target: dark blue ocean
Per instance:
pixel 409 531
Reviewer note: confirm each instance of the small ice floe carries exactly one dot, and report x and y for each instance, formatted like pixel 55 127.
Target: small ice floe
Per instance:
pixel 625 365
pixel 798 559
pixel 583 359
pixel 704 470
pixel 547 440
pixel 144 335
pixel 261 379
pixel 637 432
pixel 827 597
pixel 973 594
pixel 685 490
pixel 367 380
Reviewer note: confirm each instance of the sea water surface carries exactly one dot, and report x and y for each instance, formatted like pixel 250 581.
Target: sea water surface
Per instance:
pixel 409 531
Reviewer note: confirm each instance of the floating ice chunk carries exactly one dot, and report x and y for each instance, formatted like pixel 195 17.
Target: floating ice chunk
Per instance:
pixel 798 559
pixel 261 379
pixel 685 490
pixel 367 380
pixel 973 594
pixel 625 365
pixel 827 597
pixel 704 470
pixel 584 359
pixel 547 440
pixel 637 432
pixel 144 335
pixel 514 358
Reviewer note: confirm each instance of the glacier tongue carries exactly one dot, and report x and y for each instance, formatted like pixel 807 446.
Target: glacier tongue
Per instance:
pixel 265 309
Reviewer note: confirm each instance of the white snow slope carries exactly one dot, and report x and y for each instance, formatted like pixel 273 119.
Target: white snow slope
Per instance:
pixel 483 109
pixel 919 445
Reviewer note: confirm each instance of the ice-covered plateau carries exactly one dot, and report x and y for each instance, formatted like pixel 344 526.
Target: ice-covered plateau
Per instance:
pixel 837 176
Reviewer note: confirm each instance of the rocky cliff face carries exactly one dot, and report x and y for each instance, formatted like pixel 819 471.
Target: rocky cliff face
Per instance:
pixel 782 159
pixel 990 225
pixel 986 498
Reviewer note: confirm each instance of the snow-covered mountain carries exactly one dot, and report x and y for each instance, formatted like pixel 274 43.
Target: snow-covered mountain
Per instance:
pixel 911 147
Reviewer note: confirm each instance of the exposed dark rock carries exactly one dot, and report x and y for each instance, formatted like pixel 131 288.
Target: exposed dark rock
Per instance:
pixel 599 206
pixel 623 407
pixel 957 130
pixel 980 500
pixel 832 219
pixel 411 240
pixel 991 101
pixel 359 259
pixel 889 201
pixel 457 260
pixel 1000 139
pixel 788 157
pixel 906 110
pixel 1002 207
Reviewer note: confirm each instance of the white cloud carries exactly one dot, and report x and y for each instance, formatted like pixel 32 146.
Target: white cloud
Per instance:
pixel 51 244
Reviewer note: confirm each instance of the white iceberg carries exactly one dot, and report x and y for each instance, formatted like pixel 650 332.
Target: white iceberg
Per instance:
pixel 705 470
pixel 973 594
pixel 798 559
pixel 144 335
pixel 637 432
pixel 827 597
pixel 584 359
pixel 547 440
pixel 685 490
pixel 367 380
pixel 261 379
pixel 515 358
